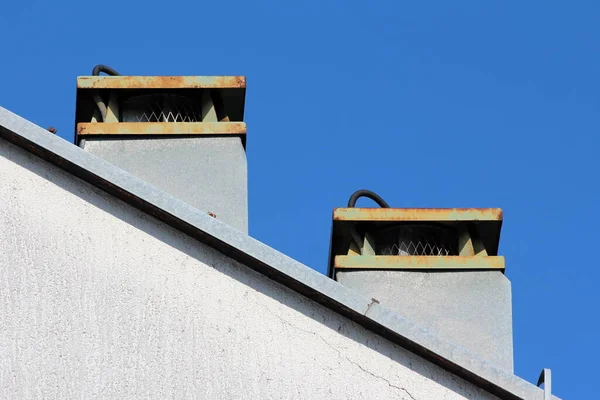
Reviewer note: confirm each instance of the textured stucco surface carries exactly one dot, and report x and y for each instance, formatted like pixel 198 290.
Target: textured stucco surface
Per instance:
pixel 100 300
pixel 209 173
pixel 472 309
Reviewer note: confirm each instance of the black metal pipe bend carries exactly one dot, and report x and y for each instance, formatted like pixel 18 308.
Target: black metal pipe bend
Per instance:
pixel 99 102
pixel 369 194
pixel 103 68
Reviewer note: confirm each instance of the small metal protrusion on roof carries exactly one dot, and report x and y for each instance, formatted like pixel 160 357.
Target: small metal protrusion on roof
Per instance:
pixel 212 214
pixel 546 379
pixel 52 130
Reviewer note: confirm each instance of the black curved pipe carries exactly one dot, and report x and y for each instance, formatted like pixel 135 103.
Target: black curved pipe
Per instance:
pixel 99 102
pixel 103 68
pixel 369 194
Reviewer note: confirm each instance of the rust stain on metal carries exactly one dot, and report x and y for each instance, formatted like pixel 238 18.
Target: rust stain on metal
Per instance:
pixel 212 214
pixel 52 130
pixel 498 214
pixel 161 128
pixel 161 82
pixel 417 214
pixel 420 262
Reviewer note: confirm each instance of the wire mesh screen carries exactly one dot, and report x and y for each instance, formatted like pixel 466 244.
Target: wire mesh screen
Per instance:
pixel 417 240
pixel 161 108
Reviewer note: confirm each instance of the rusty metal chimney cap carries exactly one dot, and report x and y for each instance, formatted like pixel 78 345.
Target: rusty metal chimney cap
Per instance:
pixel 161 82
pixel 418 214
pixel 351 224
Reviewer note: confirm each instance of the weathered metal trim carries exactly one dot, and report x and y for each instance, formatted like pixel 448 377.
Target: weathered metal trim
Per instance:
pixel 421 262
pixel 263 259
pixel 417 214
pixel 161 128
pixel 161 82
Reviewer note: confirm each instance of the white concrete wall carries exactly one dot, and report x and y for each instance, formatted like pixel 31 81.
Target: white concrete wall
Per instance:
pixel 98 300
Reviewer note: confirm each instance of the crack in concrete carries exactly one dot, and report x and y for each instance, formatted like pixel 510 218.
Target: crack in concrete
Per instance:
pixel 304 330
pixel 381 377
pixel 340 352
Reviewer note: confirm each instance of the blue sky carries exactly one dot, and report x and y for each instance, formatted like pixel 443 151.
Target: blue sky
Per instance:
pixel 430 104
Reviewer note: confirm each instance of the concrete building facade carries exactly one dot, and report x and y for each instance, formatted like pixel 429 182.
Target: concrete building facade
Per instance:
pixel 127 307
pixel 112 288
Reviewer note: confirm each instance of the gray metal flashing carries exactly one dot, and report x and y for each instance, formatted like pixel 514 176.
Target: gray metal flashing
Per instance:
pixel 260 257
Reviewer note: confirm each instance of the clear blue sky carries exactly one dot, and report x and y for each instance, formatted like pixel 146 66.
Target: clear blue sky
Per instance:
pixel 430 104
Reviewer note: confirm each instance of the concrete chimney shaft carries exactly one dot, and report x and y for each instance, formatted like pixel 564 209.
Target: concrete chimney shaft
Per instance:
pixel 437 267
pixel 182 134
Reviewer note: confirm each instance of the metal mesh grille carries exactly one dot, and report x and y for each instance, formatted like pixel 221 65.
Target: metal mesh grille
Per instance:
pixel 161 108
pixel 421 240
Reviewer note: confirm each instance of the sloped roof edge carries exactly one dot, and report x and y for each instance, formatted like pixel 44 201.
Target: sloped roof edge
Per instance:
pixel 260 257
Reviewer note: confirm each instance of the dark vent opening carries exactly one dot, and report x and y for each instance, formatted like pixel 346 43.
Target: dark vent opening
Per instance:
pixel 416 240
pixel 161 107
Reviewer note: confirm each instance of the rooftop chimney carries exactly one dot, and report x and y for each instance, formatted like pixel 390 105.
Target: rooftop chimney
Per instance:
pixel 182 134
pixel 436 267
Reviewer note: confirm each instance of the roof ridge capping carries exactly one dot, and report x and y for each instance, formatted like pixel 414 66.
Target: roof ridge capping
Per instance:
pixel 262 258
